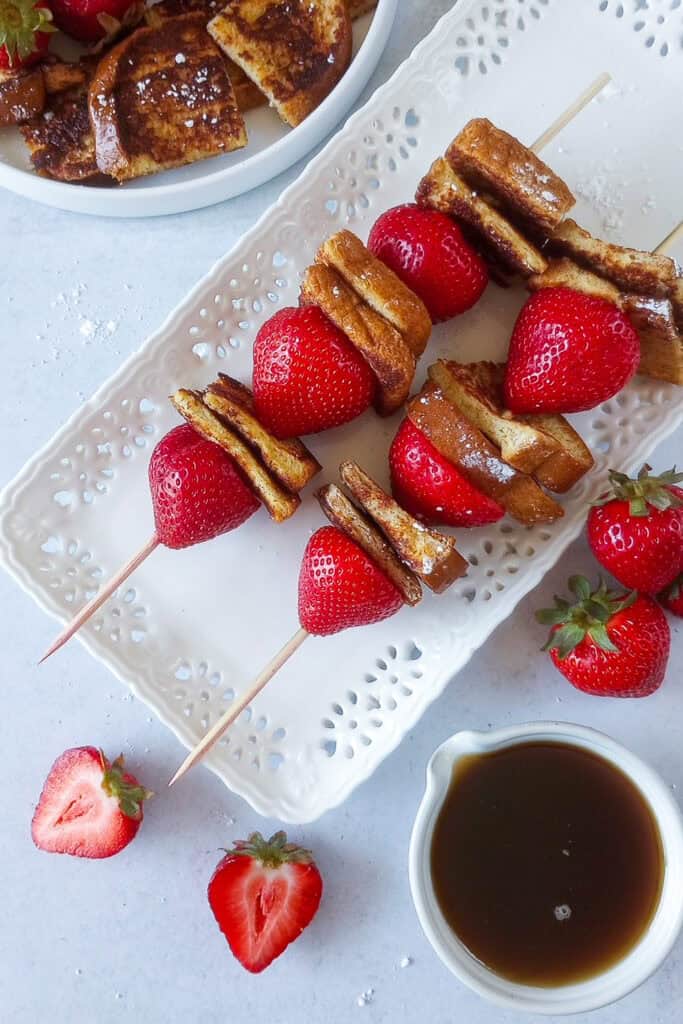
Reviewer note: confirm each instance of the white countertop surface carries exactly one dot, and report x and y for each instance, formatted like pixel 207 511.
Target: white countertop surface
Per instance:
pixel 133 938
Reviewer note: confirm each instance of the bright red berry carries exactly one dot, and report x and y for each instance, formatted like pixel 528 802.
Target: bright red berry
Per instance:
pixel 92 20
pixel 263 895
pixel 608 644
pixel 307 374
pixel 431 488
pixel 426 249
pixel 340 586
pixel 197 490
pixel 636 532
pixel 89 807
pixel 672 597
pixel 25 29
pixel 568 352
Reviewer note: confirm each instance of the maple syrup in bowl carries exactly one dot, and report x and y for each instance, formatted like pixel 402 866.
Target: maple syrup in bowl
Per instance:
pixel 546 866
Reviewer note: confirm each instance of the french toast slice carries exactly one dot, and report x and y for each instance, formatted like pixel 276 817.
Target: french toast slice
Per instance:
pixel 464 445
pixel 631 270
pixel 295 51
pixel 431 555
pixel 22 95
pixel 496 163
pixel 677 298
pixel 281 504
pixel 61 75
pixel 357 8
pixel 379 286
pixel 343 514
pixel 444 190
pixel 290 461
pixel 380 344
pixel 248 95
pixel 661 342
pixel 162 98
pixel 564 273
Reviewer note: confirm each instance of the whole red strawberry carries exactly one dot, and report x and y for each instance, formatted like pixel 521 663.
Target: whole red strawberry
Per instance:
pixel 672 597
pixel 89 807
pixel 426 249
pixel 430 487
pixel 197 490
pixel 263 894
pixel 25 29
pixel 608 644
pixel 340 586
pixel 307 374
pixel 92 20
pixel 636 531
pixel 568 352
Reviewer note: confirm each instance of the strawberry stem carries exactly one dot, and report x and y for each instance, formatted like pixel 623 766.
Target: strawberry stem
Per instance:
pixel 645 491
pixel 588 616
pixel 272 852
pixel 130 795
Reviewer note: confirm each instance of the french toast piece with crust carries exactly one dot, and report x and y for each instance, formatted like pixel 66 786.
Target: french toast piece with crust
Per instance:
pixel 478 459
pixel 290 460
pixel 379 286
pixel 343 514
pixel 545 446
pixel 281 504
pixel 444 190
pixel 496 163
pixel 162 98
pixel 431 555
pixel 248 95
pixel 661 342
pixel 22 95
pixel 380 344
pixel 564 273
pixel 295 51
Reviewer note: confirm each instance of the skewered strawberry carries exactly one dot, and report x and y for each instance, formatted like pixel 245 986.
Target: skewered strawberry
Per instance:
pixel 606 643
pixel 25 29
pixel 568 352
pixel 636 530
pixel 89 807
pixel 426 249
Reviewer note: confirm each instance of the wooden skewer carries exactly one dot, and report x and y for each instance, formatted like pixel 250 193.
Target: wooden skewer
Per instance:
pixel 570 113
pixel 226 720
pixel 670 239
pixel 101 596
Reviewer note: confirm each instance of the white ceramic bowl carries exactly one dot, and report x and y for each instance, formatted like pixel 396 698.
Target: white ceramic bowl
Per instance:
pixel 643 959
pixel 272 149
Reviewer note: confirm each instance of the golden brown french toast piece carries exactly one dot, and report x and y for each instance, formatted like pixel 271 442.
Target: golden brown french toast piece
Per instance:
pixel 677 299
pixel 279 502
pixel 61 75
pixel 431 555
pixel 444 190
pixel 357 8
pixel 564 273
pixel 22 95
pixel 379 287
pixel 661 343
pixel 380 344
pixel 343 514
pixel 248 95
pixel 478 459
pixel 631 270
pixel 294 50
pixel 162 98
pixel 290 461
pixel 495 162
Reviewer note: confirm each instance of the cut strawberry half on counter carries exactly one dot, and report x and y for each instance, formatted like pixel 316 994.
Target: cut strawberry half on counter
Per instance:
pixel 431 488
pixel 263 894
pixel 636 530
pixel 606 643
pixel 569 351
pixel 89 807
pixel 307 374
pixel 25 29
pixel 427 250
pixel 341 587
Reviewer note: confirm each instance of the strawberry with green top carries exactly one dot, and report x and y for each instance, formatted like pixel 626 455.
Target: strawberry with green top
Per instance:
pixel 89 806
pixel 263 894
pixel 25 28
pixel 607 643
pixel 636 530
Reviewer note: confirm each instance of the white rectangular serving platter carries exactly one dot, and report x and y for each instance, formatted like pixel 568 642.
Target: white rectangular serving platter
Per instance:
pixel 194 626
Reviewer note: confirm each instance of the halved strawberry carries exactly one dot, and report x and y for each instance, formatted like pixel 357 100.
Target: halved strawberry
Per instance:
pixel 89 807
pixel 263 894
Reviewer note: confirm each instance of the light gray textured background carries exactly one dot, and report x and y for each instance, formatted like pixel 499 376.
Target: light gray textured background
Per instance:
pixel 133 939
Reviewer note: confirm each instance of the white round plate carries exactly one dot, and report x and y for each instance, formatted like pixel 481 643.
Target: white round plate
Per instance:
pixel 272 149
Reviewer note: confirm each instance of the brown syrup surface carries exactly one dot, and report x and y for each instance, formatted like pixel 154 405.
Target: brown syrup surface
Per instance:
pixel 546 862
